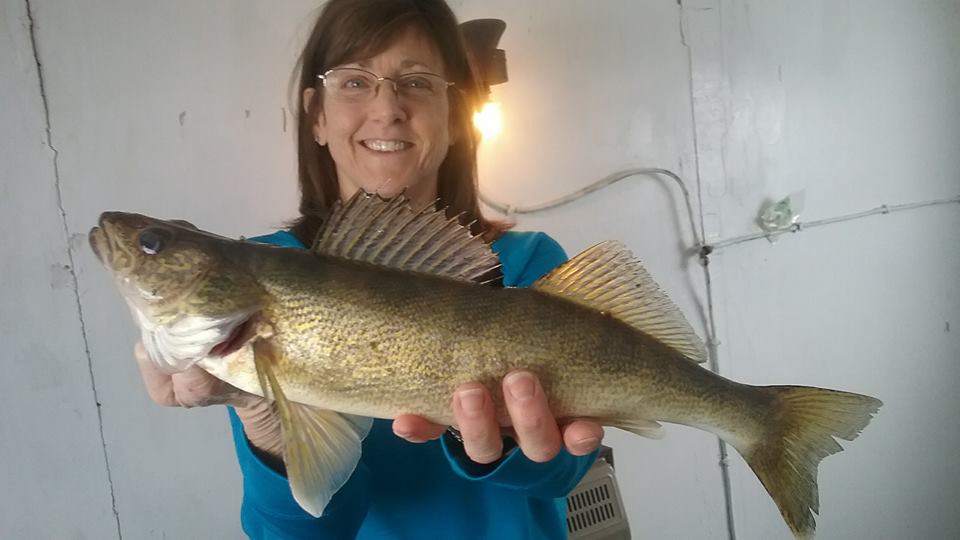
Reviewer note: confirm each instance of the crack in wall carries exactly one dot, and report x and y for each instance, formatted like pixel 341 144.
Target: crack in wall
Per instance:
pixel 72 265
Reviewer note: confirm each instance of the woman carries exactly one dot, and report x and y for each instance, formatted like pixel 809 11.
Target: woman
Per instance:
pixel 386 101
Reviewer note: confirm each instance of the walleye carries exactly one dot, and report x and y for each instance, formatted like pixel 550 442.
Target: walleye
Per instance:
pixel 387 314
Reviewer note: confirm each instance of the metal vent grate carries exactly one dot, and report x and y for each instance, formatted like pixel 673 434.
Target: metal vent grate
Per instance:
pixel 594 508
pixel 590 509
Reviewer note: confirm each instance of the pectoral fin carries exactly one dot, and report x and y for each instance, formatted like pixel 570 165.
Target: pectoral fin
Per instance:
pixel 321 447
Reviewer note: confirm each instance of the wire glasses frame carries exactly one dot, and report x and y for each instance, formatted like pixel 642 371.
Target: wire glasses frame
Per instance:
pixel 360 85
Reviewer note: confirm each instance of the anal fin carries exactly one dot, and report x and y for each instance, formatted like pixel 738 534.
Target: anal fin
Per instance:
pixel 321 447
pixel 645 428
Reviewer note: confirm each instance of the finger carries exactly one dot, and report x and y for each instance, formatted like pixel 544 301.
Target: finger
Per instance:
pixel 239 398
pixel 537 431
pixel 194 387
pixel 416 429
pixel 159 384
pixel 582 437
pixel 477 422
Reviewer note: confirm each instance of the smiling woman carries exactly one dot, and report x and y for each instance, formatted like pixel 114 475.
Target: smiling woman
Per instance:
pixel 386 139
pixel 386 103
pixel 388 39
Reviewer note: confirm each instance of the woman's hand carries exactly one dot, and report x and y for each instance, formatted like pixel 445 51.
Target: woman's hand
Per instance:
pixel 534 427
pixel 197 388
pixel 191 388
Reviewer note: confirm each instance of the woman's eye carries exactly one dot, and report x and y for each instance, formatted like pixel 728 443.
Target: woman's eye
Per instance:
pixel 356 83
pixel 417 83
pixel 152 241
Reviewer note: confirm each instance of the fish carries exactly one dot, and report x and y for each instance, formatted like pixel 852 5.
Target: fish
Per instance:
pixel 390 310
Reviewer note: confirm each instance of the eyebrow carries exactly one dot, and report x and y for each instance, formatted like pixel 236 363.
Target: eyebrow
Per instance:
pixel 406 64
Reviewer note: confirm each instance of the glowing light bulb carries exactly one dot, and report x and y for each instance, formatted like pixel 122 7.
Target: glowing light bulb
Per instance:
pixel 488 120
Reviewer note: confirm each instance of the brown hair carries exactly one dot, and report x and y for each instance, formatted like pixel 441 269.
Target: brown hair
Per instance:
pixel 350 30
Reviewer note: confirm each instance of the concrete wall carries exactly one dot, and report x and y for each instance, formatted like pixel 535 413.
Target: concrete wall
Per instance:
pixel 179 109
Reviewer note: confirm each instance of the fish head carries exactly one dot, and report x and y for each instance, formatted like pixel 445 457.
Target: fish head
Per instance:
pixel 184 286
pixel 154 262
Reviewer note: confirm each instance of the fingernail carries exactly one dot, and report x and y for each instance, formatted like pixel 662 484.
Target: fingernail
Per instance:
pixel 587 445
pixel 520 385
pixel 471 400
pixel 409 436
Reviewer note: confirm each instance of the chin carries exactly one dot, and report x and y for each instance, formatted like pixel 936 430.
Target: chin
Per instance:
pixel 391 186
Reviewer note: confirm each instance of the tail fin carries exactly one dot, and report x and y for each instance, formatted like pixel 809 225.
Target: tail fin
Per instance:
pixel 800 435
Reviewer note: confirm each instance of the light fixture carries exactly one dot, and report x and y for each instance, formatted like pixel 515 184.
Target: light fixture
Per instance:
pixel 489 65
pixel 488 120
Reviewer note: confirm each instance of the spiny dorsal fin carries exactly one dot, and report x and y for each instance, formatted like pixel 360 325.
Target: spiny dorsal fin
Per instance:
pixel 388 232
pixel 607 278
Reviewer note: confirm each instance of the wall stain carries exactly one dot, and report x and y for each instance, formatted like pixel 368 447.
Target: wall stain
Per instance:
pixel 183 118
pixel 78 241
pixel 60 277
pixel 246 113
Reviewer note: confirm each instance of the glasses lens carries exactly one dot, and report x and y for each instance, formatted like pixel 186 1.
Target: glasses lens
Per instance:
pixel 353 84
pixel 420 85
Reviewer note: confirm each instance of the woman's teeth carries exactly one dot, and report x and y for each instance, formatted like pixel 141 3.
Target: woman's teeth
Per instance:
pixel 386 146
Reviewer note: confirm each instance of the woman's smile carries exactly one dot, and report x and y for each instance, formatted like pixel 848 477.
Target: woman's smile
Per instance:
pixel 386 145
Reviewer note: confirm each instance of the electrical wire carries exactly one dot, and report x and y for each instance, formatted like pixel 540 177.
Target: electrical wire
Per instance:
pixel 801 226
pixel 704 249
pixel 598 185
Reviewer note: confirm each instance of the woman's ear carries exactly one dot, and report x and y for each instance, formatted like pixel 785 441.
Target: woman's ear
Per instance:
pixel 320 126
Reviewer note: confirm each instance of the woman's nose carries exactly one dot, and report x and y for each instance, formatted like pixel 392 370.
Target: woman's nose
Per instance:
pixel 386 105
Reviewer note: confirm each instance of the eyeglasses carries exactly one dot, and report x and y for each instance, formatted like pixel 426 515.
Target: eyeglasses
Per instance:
pixel 359 85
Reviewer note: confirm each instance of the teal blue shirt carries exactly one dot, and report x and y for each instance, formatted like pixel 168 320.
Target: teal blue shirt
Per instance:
pixel 429 490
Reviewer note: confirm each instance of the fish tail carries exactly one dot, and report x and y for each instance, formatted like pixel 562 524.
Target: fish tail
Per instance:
pixel 801 432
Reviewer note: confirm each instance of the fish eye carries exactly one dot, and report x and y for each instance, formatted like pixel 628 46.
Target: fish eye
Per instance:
pixel 153 240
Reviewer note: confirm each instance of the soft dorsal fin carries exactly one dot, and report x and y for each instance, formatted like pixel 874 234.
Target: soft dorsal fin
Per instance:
pixel 607 278
pixel 388 232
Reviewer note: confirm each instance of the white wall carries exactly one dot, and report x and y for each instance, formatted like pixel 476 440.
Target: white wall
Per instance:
pixel 177 109
pixel 855 102
pixel 51 455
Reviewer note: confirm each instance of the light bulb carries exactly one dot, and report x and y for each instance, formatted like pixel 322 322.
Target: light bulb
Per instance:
pixel 488 120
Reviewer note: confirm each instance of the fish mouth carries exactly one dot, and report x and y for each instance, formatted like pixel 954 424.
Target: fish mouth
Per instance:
pixel 99 238
pixel 98 243
pixel 106 240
